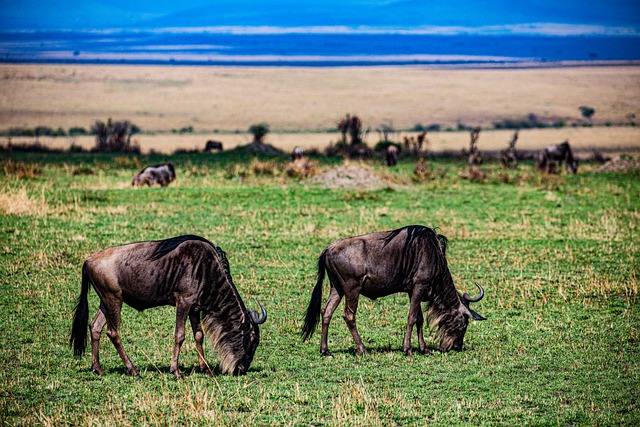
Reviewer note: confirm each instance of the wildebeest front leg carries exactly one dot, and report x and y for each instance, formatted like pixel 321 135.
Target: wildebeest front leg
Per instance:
pixel 327 312
pixel 198 335
pixel 182 311
pixel 97 325
pixel 415 314
pixel 419 327
pixel 350 309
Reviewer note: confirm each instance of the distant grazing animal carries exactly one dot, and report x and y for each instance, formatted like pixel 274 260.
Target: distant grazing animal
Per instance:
pixel 213 145
pixel 297 154
pixel 560 153
pixel 391 155
pixel 187 272
pixel 508 157
pixel 410 259
pixel 151 175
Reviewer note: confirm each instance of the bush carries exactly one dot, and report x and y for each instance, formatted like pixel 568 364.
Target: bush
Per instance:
pixel 114 137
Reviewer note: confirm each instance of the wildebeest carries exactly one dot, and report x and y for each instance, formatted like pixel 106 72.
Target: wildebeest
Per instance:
pixel 391 155
pixel 187 272
pixel 297 154
pixel 213 145
pixel 560 153
pixel 410 259
pixel 161 174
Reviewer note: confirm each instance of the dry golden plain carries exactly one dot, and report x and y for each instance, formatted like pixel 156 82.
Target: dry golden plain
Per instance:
pixel 300 104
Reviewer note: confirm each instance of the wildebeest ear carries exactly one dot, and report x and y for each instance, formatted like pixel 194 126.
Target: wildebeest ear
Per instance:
pixel 476 316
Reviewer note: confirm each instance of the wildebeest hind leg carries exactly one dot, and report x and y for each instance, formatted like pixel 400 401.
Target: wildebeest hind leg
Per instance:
pixel 198 335
pixel 350 309
pixel 112 313
pixel 97 325
pixel 327 312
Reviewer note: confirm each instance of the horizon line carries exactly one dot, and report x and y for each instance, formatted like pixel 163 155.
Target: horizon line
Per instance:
pixel 550 29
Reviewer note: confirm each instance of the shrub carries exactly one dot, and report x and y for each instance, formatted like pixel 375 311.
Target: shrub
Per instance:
pixel 114 137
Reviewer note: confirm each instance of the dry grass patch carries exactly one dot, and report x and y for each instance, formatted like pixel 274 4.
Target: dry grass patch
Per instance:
pixel 18 202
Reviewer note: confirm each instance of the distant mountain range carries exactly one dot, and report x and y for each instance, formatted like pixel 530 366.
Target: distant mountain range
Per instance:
pixel 457 15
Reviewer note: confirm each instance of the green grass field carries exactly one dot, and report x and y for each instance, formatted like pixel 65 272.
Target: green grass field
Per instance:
pixel 558 257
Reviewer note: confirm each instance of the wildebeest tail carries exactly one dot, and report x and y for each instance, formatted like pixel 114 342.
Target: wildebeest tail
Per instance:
pixel 81 317
pixel 312 315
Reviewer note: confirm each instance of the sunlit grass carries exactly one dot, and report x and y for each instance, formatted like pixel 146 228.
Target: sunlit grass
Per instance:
pixel 557 256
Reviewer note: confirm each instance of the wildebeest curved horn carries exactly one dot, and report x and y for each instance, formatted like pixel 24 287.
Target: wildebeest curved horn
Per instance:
pixel 256 318
pixel 469 299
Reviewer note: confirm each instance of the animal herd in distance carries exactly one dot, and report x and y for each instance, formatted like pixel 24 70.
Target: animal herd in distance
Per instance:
pixel 193 275
pixel 550 157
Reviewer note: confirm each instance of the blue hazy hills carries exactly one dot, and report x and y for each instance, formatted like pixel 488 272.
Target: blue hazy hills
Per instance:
pixel 103 14
pixel 328 32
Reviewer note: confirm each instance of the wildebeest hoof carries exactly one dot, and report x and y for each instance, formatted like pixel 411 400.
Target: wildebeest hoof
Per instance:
pixel 97 372
pixel 408 353
pixel 326 353
pixel 364 352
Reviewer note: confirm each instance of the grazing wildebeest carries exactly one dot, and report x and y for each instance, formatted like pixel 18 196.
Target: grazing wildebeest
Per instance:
pixel 297 154
pixel 187 272
pixel 508 157
pixel 151 175
pixel 391 155
pixel 213 145
pixel 560 153
pixel 410 259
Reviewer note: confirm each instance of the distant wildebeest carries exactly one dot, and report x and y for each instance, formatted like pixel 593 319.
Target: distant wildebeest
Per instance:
pixel 508 157
pixel 187 272
pixel 391 155
pixel 410 259
pixel 560 153
pixel 297 154
pixel 151 175
pixel 213 145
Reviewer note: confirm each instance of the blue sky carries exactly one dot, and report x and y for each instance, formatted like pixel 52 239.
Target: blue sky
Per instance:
pixel 572 16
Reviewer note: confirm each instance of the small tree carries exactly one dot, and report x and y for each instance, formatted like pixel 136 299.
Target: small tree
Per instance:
pixel 259 131
pixel 587 112
pixel 351 125
pixel 113 136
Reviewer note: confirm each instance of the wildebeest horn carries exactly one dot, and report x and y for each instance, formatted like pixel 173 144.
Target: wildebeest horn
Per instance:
pixel 256 318
pixel 469 299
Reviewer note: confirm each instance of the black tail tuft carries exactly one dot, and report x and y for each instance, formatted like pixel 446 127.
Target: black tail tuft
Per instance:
pixel 312 316
pixel 81 317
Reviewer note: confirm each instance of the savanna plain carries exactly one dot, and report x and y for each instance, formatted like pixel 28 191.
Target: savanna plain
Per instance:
pixel 557 254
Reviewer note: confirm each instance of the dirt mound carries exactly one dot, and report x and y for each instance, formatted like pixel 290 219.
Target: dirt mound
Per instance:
pixel 620 164
pixel 259 148
pixel 349 176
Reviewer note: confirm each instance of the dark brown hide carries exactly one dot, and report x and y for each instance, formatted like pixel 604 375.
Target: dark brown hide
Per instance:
pixel 162 174
pixel 213 145
pixel 560 153
pixel 187 272
pixel 410 259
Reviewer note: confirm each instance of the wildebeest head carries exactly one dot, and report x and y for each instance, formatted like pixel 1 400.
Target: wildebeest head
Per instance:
pixel 452 324
pixel 250 339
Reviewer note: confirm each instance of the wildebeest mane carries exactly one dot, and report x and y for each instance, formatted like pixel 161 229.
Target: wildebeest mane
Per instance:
pixel 218 326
